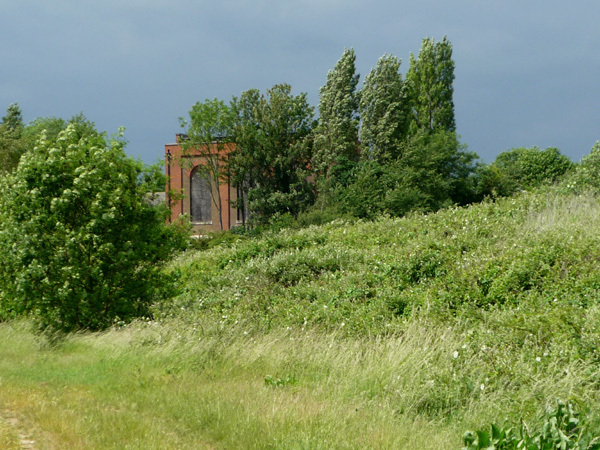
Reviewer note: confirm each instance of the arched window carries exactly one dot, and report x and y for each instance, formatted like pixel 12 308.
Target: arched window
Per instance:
pixel 200 197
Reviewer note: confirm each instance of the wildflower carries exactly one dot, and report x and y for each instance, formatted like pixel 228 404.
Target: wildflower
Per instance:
pixel 482 387
pixel 538 359
pixel 455 354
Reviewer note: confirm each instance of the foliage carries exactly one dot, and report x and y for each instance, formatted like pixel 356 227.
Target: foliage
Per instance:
pixel 521 251
pixel 52 126
pixel 216 238
pixel 273 151
pixel 430 174
pixel 586 175
pixel 383 110
pixel 562 428
pixel 13 121
pixel 79 244
pixel 429 83
pixel 153 176
pixel 11 149
pixel 337 131
pixel 411 157
pixel 11 144
pixel 17 138
pixel 522 168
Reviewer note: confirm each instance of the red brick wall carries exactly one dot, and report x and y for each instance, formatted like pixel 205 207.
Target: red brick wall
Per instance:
pixel 178 168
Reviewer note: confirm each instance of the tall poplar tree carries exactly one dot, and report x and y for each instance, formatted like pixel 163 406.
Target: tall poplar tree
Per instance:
pixel 383 111
pixel 337 131
pixel 429 81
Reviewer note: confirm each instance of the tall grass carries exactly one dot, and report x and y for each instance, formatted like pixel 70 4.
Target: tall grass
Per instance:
pixel 169 386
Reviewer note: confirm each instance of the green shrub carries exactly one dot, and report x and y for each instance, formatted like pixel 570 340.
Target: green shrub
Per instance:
pixel 586 175
pixel 522 168
pixel 79 245
pixel 562 428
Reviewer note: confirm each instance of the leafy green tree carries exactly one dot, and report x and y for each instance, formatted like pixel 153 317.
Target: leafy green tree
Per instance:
pixel 246 134
pixel 429 80
pixel 273 151
pixel 337 131
pixel 16 138
pixel 429 175
pixel 522 168
pixel 79 245
pixel 12 145
pixel 383 111
pixel 52 126
pixel 209 131
pixel 11 149
pixel 153 176
pixel 586 174
pixel 13 121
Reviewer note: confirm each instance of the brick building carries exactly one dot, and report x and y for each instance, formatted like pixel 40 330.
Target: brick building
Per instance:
pixel 199 194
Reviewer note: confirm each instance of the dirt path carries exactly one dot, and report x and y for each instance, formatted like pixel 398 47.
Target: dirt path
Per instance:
pixel 25 440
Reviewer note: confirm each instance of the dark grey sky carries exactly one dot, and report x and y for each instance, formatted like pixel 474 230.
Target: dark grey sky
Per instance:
pixel 526 70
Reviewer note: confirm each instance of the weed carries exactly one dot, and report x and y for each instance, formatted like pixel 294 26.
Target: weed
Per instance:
pixel 562 428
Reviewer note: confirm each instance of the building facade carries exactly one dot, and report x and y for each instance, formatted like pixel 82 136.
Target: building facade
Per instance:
pixel 191 193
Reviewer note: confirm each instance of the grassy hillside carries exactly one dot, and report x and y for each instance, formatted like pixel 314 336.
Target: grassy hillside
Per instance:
pixel 536 250
pixel 399 333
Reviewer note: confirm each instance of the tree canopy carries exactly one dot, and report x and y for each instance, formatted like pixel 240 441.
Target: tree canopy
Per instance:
pixel 430 79
pixel 79 245
pixel 337 131
pixel 383 109
pixel 273 150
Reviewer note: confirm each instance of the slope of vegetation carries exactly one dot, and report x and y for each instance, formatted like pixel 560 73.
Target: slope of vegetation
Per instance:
pixel 535 249
pixel 397 333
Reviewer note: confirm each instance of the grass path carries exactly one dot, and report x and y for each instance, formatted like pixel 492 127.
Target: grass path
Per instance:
pixel 13 434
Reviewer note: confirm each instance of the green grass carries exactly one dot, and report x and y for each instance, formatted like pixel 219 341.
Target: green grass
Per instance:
pixel 168 386
pixel 9 436
pixel 149 386
pixel 398 333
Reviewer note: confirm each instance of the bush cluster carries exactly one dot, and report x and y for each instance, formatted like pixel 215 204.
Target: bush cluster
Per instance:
pixel 79 244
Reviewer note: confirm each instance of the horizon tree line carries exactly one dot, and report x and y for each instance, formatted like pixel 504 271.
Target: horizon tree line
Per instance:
pixel 396 135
